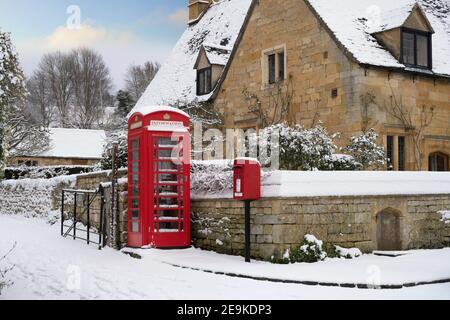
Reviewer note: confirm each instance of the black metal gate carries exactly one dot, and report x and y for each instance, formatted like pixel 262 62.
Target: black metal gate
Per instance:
pixel 81 215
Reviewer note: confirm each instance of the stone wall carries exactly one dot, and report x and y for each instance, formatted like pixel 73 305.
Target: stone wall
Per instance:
pixel 279 224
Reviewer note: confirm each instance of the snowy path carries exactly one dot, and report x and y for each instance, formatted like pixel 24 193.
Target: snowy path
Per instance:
pixel 50 267
pixel 410 268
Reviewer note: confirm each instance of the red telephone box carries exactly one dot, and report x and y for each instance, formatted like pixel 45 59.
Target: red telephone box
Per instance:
pixel 159 178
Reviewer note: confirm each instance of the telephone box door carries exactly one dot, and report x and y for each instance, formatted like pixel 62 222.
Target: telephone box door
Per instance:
pixel 170 213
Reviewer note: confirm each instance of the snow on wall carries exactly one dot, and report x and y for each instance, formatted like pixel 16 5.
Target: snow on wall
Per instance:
pixel 176 80
pixel 353 21
pixel 291 184
pixel 32 197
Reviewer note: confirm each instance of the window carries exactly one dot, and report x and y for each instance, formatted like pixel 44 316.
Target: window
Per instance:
pixel 281 65
pixel 401 154
pixel 416 48
pixel 274 67
pixel 204 81
pixel 390 153
pixel 438 162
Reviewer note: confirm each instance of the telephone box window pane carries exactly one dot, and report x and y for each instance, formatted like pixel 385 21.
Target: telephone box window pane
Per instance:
pixel 135 203
pixel 135 167
pixel 135 214
pixel 135 156
pixel 422 50
pixel 135 144
pixel 135 227
pixel 165 153
pixel 166 142
pixel 135 191
pixel 408 48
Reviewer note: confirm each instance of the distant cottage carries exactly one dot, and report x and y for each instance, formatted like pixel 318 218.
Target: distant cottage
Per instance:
pixel 67 147
pixel 351 65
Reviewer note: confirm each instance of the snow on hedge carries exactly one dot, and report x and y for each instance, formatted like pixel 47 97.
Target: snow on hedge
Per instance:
pixel 32 197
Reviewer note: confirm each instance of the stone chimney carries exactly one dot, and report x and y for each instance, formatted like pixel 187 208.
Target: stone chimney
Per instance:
pixel 197 8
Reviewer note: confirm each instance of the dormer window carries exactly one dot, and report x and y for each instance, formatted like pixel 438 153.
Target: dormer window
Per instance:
pixel 416 48
pixel 204 81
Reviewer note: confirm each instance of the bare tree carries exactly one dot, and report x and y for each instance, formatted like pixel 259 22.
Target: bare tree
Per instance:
pixel 414 119
pixel 91 87
pixel 23 134
pixel 56 69
pixel 40 103
pixel 138 78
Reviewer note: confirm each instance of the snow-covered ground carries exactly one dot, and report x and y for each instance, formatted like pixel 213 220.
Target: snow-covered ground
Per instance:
pixel 50 267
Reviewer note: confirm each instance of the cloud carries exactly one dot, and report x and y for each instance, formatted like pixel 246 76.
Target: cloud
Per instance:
pixel 119 48
pixel 180 16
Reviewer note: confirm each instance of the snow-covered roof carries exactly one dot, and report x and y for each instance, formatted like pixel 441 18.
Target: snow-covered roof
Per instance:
pixel 396 18
pixel 176 80
pixel 75 143
pixel 217 54
pixel 354 21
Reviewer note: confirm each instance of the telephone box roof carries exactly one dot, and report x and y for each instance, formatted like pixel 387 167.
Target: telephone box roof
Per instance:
pixel 145 111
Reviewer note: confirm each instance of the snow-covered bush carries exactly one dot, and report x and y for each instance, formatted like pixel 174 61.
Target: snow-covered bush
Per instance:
pixel 445 216
pixel 121 137
pixel 47 172
pixel 303 149
pixel 310 250
pixel 4 270
pixel 365 150
pixel 351 253
pixel 313 250
pixel 211 177
pixel 343 162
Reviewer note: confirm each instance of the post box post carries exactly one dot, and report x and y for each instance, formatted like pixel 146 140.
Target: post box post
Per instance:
pixel 247 231
pixel 247 188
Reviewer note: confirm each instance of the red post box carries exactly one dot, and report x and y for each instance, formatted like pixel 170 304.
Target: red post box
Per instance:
pixel 247 188
pixel 247 179
pixel 159 178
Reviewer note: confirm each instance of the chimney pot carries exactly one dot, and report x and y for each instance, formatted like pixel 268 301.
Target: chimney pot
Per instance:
pixel 197 8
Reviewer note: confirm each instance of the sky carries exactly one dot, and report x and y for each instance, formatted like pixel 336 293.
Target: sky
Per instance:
pixel 124 32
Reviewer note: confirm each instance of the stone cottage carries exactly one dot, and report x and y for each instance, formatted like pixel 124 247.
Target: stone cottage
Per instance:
pixel 352 66
pixel 66 147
